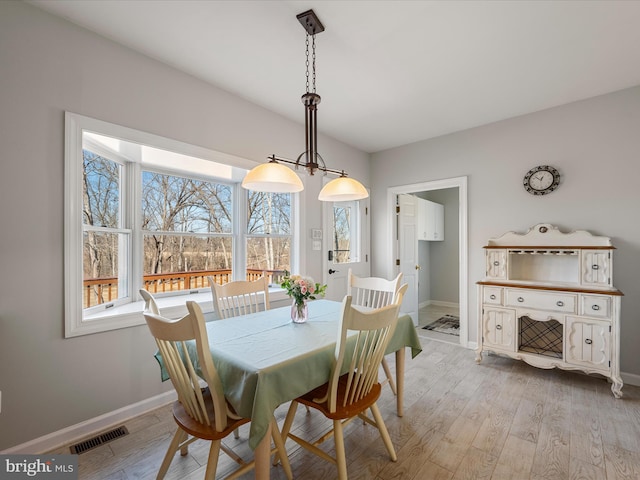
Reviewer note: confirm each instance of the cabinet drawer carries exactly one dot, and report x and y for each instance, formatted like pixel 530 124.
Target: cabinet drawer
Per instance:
pixel 492 295
pixel 558 302
pixel 595 306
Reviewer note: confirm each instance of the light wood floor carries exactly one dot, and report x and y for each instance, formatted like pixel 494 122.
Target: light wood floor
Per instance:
pixel 498 420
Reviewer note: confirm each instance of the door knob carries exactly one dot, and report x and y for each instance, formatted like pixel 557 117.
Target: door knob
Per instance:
pixel 417 267
pixel 331 271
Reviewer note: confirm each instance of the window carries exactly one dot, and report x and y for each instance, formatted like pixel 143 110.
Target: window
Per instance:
pixel 187 232
pixel 268 234
pixel 146 212
pixel 345 247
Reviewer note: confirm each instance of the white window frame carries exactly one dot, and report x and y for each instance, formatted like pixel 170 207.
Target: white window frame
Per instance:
pixel 129 314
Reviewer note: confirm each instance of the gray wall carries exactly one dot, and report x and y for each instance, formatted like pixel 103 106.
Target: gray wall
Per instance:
pixel 440 272
pixel 593 143
pixel 48 66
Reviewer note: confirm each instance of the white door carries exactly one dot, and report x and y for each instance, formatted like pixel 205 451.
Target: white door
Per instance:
pixel 408 252
pixel 346 244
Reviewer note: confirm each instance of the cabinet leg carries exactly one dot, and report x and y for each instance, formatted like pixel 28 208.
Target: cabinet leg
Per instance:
pixel 616 387
pixel 478 355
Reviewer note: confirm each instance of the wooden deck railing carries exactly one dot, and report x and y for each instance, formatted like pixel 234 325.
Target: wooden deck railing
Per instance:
pixel 103 290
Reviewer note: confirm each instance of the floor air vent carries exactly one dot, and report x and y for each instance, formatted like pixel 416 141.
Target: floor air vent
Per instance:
pixel 99 440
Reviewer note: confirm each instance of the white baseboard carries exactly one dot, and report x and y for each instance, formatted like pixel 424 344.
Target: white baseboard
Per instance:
pixel 472 345
pixel 82 430
pixel 438 303
pixel 630 379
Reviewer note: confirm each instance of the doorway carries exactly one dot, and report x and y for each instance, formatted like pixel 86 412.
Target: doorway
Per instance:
pixel 346 245
pixel 436 190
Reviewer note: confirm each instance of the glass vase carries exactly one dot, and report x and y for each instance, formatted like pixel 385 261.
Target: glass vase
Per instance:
pixel 299 312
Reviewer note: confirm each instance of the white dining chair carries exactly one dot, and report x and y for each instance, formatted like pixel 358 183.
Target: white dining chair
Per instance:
pixel 240 297
pixel 374 292
pixel 150 304
pixel 200 413
pixel 349 395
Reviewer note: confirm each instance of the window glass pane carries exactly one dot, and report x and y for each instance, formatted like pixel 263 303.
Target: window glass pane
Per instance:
pixel 182 262
pixel 345 233
pixel 101 191
pixel 269 254
pixel 178 204
pixel 269 213
pixel 104 267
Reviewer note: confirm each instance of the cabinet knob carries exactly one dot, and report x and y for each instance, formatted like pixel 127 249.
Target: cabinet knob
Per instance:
pixel 594 267
pixel 595 307
pixel 498 327
pixel 588 341
pixel 492 297
pixel 560 303
pixel 520 299
pixel 496 263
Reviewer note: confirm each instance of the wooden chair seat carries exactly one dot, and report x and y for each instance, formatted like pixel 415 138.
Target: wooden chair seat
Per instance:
pixel 343 411
pixel 201 430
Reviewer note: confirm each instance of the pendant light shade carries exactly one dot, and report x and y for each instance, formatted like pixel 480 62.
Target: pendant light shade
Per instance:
pixel 275 177
pixel 272 177
pixel 342 189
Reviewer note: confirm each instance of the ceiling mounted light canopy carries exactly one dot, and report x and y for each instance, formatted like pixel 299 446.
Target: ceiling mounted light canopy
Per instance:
pixel 275 177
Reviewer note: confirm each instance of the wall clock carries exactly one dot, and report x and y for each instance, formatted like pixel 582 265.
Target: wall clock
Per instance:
pixel 541 180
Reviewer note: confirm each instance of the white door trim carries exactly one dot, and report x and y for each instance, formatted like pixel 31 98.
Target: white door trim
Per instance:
pixel 461 184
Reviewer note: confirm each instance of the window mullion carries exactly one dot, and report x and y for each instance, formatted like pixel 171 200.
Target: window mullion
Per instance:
pixel 240 211
pixel 134 213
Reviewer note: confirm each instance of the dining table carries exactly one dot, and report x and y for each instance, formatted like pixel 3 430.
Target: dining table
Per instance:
pixel 265 360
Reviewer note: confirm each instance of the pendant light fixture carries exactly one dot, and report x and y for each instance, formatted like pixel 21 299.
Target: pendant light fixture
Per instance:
pixel 275 177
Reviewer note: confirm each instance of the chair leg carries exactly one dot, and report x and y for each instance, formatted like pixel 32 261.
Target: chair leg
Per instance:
pixel 286 427
pixel 382 428
pixel 387 372
pixel 281 452
pixel 341 458
pixel 171 451
pixel 212 462
pixel 184 445
pixel 288 421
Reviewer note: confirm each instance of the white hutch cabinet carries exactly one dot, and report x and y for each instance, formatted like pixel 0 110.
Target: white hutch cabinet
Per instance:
pixel 548 299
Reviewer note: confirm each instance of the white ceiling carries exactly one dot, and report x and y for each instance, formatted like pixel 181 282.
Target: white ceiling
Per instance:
pixel 389 72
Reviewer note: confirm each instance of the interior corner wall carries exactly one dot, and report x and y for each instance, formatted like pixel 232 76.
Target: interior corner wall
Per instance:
pixel 50 66
pixel 593 143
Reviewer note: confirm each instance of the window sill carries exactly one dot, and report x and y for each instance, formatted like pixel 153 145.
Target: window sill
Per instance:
pixel 170 306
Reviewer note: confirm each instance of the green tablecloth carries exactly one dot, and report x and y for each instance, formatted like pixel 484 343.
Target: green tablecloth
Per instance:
pixel 265 360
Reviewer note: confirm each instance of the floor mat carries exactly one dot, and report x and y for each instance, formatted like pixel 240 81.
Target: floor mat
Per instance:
pixel 449 324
